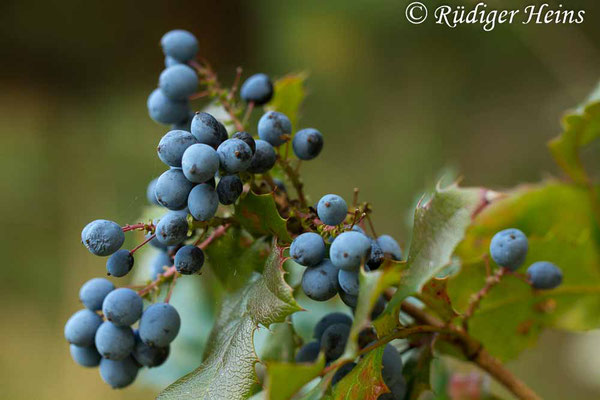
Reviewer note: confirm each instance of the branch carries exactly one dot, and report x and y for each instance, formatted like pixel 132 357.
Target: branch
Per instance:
pixel 295 179
pixel 172 271
pixel 474 351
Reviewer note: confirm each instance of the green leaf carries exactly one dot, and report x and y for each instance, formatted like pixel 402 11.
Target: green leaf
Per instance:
pixel 435 296
pixel 364 381
pixel 289 94
pixel 279 344
pixel 228 368
pixel 439 226
pixel 258 214
pixel 318 392
pixel 558 220
pixel 233 257
pixel 580 127
pixel 285 379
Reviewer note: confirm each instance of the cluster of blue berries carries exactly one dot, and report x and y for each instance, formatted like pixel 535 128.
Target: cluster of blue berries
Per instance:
pixel 101 334
pixel 508 249
pixel 330 335
pixel 325 276
pixel 206 168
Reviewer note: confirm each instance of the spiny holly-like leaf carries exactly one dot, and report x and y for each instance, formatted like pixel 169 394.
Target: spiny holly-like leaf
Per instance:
pixel 285 379
pixel 288 97
pixel 258 214
pixel 558 220
pixel 364 381
pixel 439 226
pixel 435 296
pixel 279 344
pixel 233 257
pixel 318 392
pixel 228 369
pixel 580 127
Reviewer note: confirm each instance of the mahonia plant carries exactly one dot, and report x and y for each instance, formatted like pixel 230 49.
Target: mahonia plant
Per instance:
pixel 462 290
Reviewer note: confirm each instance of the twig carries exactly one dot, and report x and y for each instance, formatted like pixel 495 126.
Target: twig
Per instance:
pixel 491 281
pixel 171 271
pixel 236 82
pixel 371 224
pixel 474 351
pixel 293 177
pixel 248 112
pixel 136 248
pixel 171 287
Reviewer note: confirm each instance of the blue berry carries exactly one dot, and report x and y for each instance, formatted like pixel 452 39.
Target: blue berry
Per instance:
pixel 203 202
pixel 172 228
pixel 189 259
pixel 200 163
pixel 159 325
pixel 159 262
pixel 102 237
pixel 206 129
pixel 85 356
pixel 544 275
pixel 172 189
pixel 333 341
pixel 149 356
pixel 348 299
pixel 348 281
pixel 178 82
pixel 165 110
pixel 390 247
pixel 509 248
pixel 150 192
pixel 81 328
pixel 376 256
pixel 93 292
pixel 397 391
pixel 223 135
pixel 172 146
pixel 123 307
pixel 308 353
pixel 114 342
pixel 257 89
pixel 118 374
pixel 307 143
pixel 308 249
pixel 357 228
pixel 279 183
pixel 328 320
pixel 179 44
pixel 332 209
pixel 246 138
pixel 230 187
pixel 342 372
pixel 186 124
pixel 275 128
pixel 234 156
pixel 264 158
pixel 349 250
pixel 378 307
pixel 120 263
pixel 170 61
pixel 155 242
pixel 392 366
pixel 320 282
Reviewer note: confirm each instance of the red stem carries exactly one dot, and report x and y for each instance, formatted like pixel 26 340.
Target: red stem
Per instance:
pixel 143 243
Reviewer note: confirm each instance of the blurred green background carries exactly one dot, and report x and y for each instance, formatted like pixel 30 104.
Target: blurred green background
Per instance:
pixel 396 102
